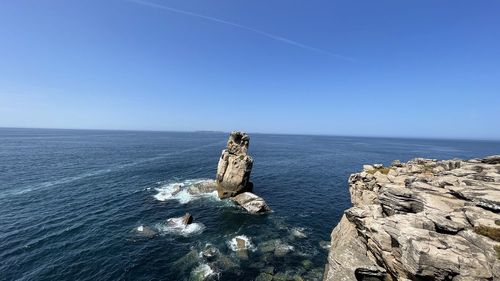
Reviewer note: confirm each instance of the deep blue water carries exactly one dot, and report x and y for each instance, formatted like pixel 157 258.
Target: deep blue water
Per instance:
pixel 72 200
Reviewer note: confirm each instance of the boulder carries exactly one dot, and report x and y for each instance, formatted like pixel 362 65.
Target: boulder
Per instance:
pixel 235 166
pixel 429 220
pixel 181 221
pixel 202 187
pixel 251 202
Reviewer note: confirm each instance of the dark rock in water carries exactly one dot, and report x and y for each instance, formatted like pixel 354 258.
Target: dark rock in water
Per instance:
pixel 282 249
pixel 241 248
pixel 235 166
pixel 251 202
pixel 181 221
pixel 495 159
pixel 422 220
pixel 177 189
pixel 210 252
pixel 187 219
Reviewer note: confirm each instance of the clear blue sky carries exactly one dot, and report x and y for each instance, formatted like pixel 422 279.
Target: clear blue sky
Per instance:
pixel 372 68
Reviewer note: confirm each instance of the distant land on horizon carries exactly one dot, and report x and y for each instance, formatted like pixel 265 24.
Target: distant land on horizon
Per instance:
pixel 258 133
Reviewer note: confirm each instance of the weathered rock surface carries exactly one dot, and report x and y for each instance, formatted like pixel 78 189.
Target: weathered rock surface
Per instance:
pixel 251 202
pixel 420 220
pixel 235 165
pixel 233 175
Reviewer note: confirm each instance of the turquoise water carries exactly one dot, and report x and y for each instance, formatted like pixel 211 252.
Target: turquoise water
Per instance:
pixel 71 202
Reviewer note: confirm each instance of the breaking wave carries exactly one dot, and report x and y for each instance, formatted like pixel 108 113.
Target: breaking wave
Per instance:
pixel 181 191
pixel 233 243
pixel 177 228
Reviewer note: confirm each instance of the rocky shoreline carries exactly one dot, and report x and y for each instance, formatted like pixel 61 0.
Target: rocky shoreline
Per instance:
pixel 421 220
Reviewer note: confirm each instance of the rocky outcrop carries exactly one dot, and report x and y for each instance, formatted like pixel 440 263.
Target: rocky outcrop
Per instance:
pixel 235 165
pixel 233 175
pixel 181 221
pixel 421 220
pixel 251 202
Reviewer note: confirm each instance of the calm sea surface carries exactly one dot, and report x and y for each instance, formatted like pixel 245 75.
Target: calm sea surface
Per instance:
pixel 72 201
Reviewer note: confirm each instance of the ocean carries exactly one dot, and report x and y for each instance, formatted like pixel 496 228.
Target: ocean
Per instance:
pixel 75 204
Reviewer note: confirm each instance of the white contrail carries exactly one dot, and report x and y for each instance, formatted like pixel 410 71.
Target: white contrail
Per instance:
pixel 263 33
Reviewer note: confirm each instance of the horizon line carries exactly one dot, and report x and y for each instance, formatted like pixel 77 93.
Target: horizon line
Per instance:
pixel 259 133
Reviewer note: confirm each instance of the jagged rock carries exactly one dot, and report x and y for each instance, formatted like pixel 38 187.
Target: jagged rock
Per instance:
pixel 181 221
pixel 420 223
pixel 251 202
pixel 235 165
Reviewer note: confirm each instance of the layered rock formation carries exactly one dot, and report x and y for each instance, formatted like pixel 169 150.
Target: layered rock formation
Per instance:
pixel 235 165
pixel 233 175
pixel 421 220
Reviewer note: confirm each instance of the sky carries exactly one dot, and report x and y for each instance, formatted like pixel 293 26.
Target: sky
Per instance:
pixel 425 68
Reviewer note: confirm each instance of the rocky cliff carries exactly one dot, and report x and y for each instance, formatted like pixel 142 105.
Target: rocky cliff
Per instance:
pixel 420 220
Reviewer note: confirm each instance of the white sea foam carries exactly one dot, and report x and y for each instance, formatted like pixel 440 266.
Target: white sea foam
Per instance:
pixel 140 228
pixel 176 227
pixel 233 245
pixel 202 271
pixel 179 191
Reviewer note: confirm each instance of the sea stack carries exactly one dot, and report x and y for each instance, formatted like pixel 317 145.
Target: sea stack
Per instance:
pixel 235 165
pixel 420 220
pixel 233 175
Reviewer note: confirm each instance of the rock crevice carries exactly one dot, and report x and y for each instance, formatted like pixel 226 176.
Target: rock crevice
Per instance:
pixel 420 220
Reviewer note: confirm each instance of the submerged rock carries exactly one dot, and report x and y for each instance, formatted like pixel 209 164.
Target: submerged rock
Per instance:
pixel 145 231
pixel 325 244
pixel 281 249
pixel 264 277
pixel 251 202
pixel 235 166
pixel 210 252
pixel 268 246
pixel 202 272
pixel 425 220
pixel 298 232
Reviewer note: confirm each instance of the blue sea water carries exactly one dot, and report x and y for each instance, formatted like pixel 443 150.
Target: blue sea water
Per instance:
pixel 71 201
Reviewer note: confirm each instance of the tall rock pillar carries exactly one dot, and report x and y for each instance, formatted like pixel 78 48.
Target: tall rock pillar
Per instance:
pixel 235 165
